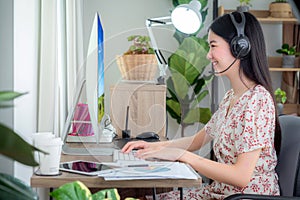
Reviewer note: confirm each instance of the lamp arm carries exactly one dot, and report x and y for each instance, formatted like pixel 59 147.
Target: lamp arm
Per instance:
pixel 162 63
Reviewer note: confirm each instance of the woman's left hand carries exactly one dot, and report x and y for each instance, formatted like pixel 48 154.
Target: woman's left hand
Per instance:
pixel 161 152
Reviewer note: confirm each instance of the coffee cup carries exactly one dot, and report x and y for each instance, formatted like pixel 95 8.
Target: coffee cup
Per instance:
pixel 49 163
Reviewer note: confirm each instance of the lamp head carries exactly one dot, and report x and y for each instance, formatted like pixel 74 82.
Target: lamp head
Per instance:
pixel 186 17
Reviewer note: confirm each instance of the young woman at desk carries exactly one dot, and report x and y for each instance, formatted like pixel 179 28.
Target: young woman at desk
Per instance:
pixel 244 127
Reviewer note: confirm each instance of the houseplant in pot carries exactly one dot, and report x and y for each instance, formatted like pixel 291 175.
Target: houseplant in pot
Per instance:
pixel 139 61
pixel 280 9
pixel 289 55
pixel 244 6
pixel 280 97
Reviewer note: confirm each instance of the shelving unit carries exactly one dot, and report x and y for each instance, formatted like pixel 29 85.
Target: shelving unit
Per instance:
pixel 262 16
pixel 275 63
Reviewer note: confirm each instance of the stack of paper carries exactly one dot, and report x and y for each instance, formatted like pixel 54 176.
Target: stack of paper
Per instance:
pixel 153 170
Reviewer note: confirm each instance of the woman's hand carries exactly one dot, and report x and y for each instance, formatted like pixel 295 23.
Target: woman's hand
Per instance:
pixel 140 144
pixel 161 152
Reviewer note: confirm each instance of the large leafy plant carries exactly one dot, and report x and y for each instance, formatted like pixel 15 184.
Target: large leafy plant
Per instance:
pixel 78 191
pixel 16 148
pixel 186 84
pixel 11 144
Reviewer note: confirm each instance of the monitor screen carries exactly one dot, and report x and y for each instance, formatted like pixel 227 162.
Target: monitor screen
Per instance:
pixel 295 4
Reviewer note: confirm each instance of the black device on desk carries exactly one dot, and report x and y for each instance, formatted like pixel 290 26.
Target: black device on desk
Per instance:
pixel 126 132
pixel 146 136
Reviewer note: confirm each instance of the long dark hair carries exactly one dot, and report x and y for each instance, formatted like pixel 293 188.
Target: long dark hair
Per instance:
pixel 255 65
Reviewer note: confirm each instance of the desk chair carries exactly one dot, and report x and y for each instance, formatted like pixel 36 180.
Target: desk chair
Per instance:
pixel 288 166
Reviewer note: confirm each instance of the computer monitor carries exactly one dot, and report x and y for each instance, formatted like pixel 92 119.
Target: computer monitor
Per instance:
pixel 95 75
pixel 93 82
pixel 295 5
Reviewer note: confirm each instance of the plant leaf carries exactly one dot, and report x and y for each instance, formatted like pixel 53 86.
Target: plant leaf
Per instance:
pixel 13 188
pixel 180 85
pixel 202 115
pixel 199 98
pixel 174 106
pixel 14 147
pixel 72 191
pixel 9 95
pixel 110 194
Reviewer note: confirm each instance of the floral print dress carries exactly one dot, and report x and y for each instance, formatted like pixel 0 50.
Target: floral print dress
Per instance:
pixel 248 126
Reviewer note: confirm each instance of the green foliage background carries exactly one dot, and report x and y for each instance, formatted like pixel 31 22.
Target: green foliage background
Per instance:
pixel 187 84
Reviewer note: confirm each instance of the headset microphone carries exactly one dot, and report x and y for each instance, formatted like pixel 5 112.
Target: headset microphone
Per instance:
pixel 214 72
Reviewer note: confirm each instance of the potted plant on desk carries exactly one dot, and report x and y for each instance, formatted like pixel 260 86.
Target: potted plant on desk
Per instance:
pixel 289 55
pixel 139 61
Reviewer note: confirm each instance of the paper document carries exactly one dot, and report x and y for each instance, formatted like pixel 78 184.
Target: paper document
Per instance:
pixel 154 170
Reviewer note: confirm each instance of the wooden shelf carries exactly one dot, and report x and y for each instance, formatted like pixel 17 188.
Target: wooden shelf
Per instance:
pixel 275 64
pixel 273 69
pixel 291 109
pixel 262 16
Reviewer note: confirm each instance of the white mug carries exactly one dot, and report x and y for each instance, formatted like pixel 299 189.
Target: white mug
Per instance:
pixel 49 163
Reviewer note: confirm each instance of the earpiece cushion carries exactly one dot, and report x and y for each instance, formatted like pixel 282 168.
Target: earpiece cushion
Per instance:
pixel 240 46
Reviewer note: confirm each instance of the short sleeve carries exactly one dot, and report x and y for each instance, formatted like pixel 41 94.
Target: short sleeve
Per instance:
pixel 257 124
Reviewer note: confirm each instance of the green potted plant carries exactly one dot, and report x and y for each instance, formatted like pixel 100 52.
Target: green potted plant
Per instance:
pixel 289 55
pixel 244 5
pixel 280 9
pixel 280 97
pixel 139 61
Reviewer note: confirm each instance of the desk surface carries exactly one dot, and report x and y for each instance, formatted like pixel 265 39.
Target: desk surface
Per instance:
pixel 99 182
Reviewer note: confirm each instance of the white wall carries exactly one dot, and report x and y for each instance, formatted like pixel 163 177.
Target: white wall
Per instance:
pixel 25 74
pixel 6 70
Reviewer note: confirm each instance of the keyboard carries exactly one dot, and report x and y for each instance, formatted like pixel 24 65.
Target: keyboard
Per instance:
pixel 119 156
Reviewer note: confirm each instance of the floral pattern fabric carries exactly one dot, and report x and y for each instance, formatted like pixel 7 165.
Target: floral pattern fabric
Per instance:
pixel 248 126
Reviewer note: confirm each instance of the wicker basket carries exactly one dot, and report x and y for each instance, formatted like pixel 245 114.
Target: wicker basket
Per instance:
pixel 141 67
pixel 280 10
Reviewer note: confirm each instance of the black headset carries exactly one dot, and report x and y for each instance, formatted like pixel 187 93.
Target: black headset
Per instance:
pixel 240 44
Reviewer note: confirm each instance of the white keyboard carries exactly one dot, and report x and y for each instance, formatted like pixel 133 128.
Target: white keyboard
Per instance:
pixel 119 156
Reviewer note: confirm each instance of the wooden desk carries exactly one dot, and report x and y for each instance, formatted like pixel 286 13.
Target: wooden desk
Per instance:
pixel 99 182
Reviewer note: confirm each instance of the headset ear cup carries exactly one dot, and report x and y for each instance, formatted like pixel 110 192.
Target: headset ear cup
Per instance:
pixel 240 46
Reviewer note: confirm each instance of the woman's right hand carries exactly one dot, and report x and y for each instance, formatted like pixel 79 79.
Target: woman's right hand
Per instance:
pixel 140 144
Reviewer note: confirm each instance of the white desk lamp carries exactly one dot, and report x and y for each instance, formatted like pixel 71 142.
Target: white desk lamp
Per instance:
pixel 186 18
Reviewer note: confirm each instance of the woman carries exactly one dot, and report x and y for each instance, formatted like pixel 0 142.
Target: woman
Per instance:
pixel 244 127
